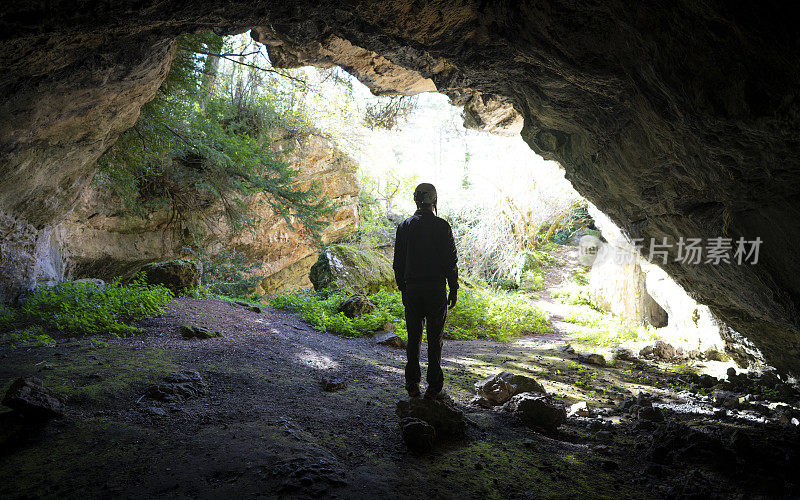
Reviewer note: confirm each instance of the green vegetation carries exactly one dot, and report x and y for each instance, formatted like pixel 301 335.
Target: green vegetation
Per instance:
pixel 85 309
pixel 597 328
pixel 478 314
pixel 204 144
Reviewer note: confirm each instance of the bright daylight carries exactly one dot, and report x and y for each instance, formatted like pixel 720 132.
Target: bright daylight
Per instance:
pixel 278 264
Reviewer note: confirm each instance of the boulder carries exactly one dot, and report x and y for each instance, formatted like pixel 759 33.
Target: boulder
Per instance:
pixel 624 354
pixel 29 397
pixel 189 331
pixel 418 434
pixel 501 387
pixel 346 267
pixel 178 386
pixel 536 410
pixel 443 416
pixel 390 339
pixel 177 275
pixel 357 305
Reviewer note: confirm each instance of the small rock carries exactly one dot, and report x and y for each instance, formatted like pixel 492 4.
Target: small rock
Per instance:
pixel 707 381
pixel 536 410
pixel 29 397
pixel 624 354
pixel 663 351
pixel 157 412
pixel 712 354
pixel 567 349
pixel 480 401
pixel 357 305
pixel 592 359
pixel 418 434
pixel 646 351
pixel 178 386
pixel 725 399
pixel 189 331
pixel 580 409
pixel 650 413
pixel 332 384
pixel 390 339
pixel 501 387
pixel 448 420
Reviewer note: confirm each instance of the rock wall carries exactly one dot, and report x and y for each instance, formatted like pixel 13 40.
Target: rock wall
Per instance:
pixel 677 119
pixel 628 285
pixel 99 241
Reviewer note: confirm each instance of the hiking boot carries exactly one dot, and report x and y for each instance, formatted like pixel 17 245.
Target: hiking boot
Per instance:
pixel 414 392
pixel 438 396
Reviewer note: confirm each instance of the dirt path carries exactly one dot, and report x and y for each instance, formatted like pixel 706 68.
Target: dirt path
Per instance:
pixel 265 428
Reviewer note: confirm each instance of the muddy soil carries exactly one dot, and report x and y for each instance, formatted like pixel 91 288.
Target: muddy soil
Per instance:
pixel 264 427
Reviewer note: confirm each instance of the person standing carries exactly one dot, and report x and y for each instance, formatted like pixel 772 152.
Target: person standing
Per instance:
pixel 425 259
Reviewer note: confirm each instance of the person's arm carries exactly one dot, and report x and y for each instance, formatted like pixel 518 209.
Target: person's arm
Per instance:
pixel 399 263
pixel 451 266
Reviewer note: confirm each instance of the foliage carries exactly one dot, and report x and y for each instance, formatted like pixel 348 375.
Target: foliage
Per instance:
pixel 31 336
pixel 195 149
pixel 226 272
pixel 495 315
pixel 604 329
pixel 87 308
pixel 478 314
pixel 387 113
pixel 320 309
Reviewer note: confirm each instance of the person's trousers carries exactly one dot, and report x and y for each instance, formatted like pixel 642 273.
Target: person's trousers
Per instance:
pixel 425 305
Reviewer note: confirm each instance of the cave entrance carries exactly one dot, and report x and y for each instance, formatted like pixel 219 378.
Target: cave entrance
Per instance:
pixel 255 163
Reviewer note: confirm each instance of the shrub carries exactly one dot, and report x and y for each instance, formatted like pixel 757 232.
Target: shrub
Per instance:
pixel 478 314
pixel 87 308
pixel 597 328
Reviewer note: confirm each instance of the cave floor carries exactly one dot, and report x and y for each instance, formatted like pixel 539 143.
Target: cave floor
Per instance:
pixel 266 428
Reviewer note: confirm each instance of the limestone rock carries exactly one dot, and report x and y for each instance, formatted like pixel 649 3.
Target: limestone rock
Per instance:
pixel 418 434
pixel 356 305
pixel 348 267
pixel 29 396
pixel 177 275
pixel 190 331
pixel 446 419
pixel 390 339
pixel 501 387
pixel 536 410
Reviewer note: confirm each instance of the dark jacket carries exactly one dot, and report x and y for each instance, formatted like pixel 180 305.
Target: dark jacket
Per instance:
pixel 425 252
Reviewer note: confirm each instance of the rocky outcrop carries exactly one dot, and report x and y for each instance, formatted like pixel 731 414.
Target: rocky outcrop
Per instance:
pixel 100 240
pixel 677 120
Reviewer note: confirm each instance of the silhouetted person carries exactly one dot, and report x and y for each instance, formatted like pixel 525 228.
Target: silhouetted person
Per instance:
pixel 424 258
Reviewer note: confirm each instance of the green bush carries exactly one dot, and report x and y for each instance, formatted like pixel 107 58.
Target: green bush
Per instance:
pixel 478 314
pixel 604 329
pixel 87 309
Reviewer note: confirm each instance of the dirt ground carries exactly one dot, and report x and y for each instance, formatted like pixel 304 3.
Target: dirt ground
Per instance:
pixel 264 427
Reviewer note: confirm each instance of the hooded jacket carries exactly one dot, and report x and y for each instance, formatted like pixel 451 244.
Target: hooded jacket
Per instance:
pixel 425 252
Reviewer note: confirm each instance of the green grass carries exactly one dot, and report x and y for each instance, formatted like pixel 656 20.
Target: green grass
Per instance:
pixel 604 329
pixel 478 313
pixel 84 309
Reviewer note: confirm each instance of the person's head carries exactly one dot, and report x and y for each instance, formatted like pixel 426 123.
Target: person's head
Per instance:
pixel 425 196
